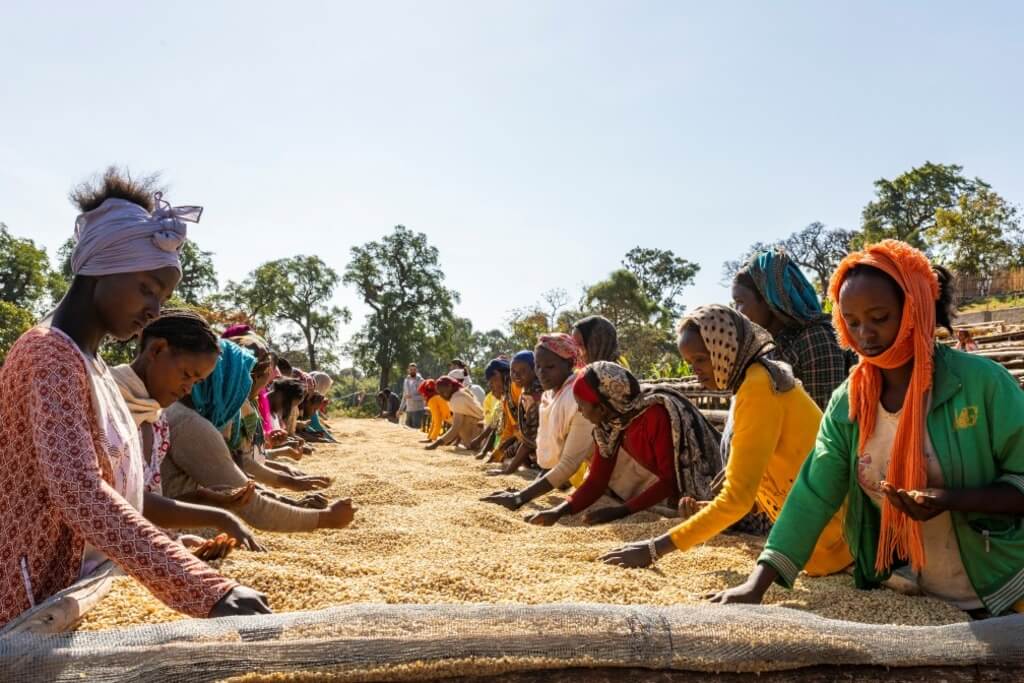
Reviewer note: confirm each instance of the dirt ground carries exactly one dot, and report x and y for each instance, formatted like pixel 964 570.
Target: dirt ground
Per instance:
pixel 422 536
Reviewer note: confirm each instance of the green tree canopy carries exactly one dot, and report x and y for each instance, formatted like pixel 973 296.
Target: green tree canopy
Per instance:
pixel 296 291
pixel 24 272
pixel 198 275
pixel 662 275
pixel 818 250
pixel 980 236
pixel 14 320
pixel 905 207
pixel 645 333
pixel 400 278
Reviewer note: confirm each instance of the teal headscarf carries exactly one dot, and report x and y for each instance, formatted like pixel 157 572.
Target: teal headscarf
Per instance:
pixel 219 397
pixel 784 287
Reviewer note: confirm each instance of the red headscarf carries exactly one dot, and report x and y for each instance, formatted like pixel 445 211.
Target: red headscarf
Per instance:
pixel 915 342
pixel 582 390
pixel 562 345
pixel 449 381
pixel 428 389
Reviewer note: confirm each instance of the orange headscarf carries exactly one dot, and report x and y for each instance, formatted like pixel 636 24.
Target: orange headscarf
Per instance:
pixel 915 342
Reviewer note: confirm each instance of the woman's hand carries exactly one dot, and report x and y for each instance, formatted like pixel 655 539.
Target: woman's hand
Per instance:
pixel 546 517
pixel 277 438
pixel 509 499
pixel 215 548
pixel 750 592
pixel 241 601
pixel 605 515
pixel 632 556
pixel 311 483
pixel 918 505
pixel 688 506
pixel 339 515
pixel 236 529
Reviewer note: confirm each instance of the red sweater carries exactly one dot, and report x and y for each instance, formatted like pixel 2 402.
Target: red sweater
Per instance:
pixel 648 439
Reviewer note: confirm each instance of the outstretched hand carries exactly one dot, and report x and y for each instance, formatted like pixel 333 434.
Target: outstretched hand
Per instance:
pixel 918 505
pixel 508 499
pixel 632 556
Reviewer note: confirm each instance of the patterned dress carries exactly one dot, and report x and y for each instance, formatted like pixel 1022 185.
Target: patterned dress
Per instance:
pixel 57 491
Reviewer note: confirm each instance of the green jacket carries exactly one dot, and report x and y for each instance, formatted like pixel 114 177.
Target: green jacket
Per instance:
pixel 976 424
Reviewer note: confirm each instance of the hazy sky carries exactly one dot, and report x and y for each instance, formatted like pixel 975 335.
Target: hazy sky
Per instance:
pixel 533 142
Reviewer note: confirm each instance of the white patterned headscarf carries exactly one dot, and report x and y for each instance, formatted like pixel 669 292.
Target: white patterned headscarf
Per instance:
pixel 734 343
pixel 120 236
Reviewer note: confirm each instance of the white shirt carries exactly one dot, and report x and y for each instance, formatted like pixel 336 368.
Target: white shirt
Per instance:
pixel 565 439
pixel 463 402
pixel 943 575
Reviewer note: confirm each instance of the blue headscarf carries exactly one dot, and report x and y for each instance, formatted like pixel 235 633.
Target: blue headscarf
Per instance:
pixel 220 397
pixel 784 287
pixel 524 357
pixel 495 366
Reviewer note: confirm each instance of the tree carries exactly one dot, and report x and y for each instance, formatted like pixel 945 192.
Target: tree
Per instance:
pixel 819 250
pixel 198 276
pixel 14 320
pixel 622 299
pixel 400 279
pixel 645 333
pixel 295 290
pixel 555 300
pixel 980 236
pixel 662 275
pixel 525 326
pixel 905 208
pixel 730 268
pixel 24 272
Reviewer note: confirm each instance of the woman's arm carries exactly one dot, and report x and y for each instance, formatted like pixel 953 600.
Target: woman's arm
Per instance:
pixel 62 437
pixel 175 514
pixel 757 420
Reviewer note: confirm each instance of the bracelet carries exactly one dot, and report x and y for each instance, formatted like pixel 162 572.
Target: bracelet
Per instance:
pixel 654 552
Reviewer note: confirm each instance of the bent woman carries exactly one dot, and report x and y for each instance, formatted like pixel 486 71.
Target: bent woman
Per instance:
pixel 70 457
pixel 772 292
pixel 652 444
pixel 176 350
pixel 199 457
pixel 564 436
pixel 597 340
pixel 770 430
pixel 467 414
pixel 924 444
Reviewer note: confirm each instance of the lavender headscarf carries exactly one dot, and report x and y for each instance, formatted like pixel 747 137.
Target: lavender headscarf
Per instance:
pixel 122 237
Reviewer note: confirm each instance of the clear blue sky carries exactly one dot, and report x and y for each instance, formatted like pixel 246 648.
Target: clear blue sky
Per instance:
pixel 534 142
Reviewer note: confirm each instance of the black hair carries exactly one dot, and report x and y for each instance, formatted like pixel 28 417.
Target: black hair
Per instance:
pixel 460 363
pixel 291 389
pixel 116 183
pixel 184 330
pixel 745 280
pixel 284 366
pixel 945 308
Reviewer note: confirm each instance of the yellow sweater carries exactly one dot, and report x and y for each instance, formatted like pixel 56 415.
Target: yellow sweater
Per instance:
pixel 439 414
pixel 772 436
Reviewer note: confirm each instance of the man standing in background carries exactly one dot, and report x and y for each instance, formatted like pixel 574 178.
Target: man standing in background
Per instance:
pixel 412 401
